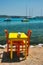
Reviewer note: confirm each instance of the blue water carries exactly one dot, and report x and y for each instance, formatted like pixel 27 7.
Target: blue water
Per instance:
pixel 15 25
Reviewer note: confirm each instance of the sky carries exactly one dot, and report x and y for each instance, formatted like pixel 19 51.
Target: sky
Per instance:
pixel 21 7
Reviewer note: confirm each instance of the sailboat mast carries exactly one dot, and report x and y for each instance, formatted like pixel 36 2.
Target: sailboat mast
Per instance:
pixel 41 12
pixel 26 9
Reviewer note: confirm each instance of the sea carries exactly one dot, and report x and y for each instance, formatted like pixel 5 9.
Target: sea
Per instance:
pixel 16 25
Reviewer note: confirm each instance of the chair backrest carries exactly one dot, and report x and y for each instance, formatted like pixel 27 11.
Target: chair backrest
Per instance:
pixel 29 33
pixel 6 33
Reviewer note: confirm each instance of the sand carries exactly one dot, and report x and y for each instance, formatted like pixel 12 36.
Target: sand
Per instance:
pixel 35 57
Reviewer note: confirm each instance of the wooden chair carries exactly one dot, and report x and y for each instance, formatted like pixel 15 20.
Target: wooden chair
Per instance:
pixel 6 34
pixel 15 43
pixel 22 43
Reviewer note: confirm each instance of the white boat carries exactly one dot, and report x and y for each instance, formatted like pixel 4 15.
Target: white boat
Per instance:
pixel 7 19
pixel 25 20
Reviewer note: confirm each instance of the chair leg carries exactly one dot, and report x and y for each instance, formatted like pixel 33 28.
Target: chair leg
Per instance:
pixel 22 47
pixel 18 50
pixel 27 51
pixel 7 47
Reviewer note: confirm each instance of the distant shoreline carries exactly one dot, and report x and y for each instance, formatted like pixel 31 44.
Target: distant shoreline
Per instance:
pixel 28 17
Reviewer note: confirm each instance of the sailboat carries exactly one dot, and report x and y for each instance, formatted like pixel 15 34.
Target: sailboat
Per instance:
pixel 25 19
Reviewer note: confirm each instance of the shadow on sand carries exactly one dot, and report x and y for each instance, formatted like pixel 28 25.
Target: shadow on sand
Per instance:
pixel 6 57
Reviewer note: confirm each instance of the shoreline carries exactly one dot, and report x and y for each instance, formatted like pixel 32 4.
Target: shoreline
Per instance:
pixel 31 46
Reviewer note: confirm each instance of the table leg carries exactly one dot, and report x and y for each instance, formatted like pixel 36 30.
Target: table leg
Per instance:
pixel 11 53
pixel 18 50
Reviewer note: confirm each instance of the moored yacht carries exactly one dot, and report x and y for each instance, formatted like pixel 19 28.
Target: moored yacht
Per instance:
pixel 7 19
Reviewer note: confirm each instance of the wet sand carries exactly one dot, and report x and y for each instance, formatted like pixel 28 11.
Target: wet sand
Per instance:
pixel 35 57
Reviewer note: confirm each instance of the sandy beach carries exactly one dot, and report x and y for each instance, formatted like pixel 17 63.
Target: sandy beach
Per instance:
pixel 35 57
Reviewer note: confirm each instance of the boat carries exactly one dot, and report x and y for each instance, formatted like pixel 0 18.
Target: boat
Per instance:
pixel 24 20
pixel 7 19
